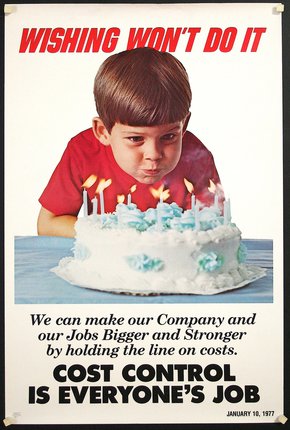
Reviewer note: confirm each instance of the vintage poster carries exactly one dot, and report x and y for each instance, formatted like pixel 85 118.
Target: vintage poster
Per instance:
pixel 158 312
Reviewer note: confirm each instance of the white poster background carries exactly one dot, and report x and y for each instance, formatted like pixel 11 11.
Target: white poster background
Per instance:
pixel 48 99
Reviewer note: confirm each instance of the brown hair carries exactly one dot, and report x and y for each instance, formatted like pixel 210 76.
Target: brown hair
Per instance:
pixel 142 87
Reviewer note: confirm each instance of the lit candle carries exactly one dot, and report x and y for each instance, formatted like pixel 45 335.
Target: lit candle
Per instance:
pixel 95 208
pixel 192 201
pixel 216 201
pixel 102 204
pixel 85 202
pixel 190 189
pixel 196 215
pixel 227 212
pixel 119 208
pixel 162 195
pixel 159 215
pixel 129 197
pixel 87 184
pixel 103 184
pixel 213 189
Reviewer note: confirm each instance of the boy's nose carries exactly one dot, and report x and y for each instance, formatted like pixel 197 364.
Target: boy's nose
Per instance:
pixel 153 151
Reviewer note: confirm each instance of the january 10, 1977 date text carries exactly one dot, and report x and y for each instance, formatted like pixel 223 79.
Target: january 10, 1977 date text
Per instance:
pixel 250 413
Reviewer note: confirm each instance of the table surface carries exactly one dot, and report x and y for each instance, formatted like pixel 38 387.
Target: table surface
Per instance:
pixel 35 283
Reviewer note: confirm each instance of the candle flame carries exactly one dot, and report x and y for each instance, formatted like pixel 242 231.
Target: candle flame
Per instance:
pixel 212 187
pixel 90 181
pixel 188 185
pixel 220 189
pixel 120 198
pixel 103 184
pixel 160 192
pixel 215 188
pixel 133 188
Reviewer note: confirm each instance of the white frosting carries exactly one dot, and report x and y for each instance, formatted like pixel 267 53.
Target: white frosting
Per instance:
pixel 101 260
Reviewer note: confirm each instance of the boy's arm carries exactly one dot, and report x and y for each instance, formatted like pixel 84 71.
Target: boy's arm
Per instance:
pixel 49 224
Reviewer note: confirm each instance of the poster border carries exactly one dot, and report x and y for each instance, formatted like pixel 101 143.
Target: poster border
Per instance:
pixel 286 218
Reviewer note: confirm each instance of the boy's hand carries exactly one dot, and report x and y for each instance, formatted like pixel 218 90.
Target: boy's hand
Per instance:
pixel 49 224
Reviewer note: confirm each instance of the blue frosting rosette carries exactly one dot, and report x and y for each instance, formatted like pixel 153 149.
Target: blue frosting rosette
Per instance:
pixel 210 262
pixel 143 263
pixel 242 253
pixel 165 216
pixel 133 217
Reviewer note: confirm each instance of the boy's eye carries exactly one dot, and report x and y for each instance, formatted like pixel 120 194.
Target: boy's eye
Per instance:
pixel 168 137
pixel 136 139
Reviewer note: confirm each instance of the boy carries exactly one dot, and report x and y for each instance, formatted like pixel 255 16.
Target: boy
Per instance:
pixel 139 138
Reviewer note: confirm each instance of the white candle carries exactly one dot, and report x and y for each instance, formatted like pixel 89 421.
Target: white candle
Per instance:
pixel 119 209
pixel 159 216
pixel 196 216
pixel 192 201
pixel 95 208
pixel 102 205
pixel 129 197
pixel 227 212
pixel 216 201
pixel 190 188
pixel 85 202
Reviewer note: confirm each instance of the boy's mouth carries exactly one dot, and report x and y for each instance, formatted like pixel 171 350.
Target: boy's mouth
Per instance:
pixel 151 172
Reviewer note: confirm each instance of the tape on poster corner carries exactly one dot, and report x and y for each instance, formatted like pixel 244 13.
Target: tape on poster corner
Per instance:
pixel 8 421
pixel 280 8
pixel 8 9
pixel 282 419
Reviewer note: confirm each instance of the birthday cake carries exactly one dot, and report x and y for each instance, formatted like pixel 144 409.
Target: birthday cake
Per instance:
pixel 163 250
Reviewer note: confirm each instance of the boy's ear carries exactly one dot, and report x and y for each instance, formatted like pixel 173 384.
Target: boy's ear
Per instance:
pixel 186 121
pixel 100 131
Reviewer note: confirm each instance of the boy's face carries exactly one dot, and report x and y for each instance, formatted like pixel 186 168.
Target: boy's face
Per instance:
pixel 146 153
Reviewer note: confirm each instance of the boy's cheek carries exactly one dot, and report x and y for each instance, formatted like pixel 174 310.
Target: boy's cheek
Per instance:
pixel 174 153
pixel 128 161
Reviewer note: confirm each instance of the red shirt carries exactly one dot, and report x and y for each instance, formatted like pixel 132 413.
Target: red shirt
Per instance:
pixel 85 156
